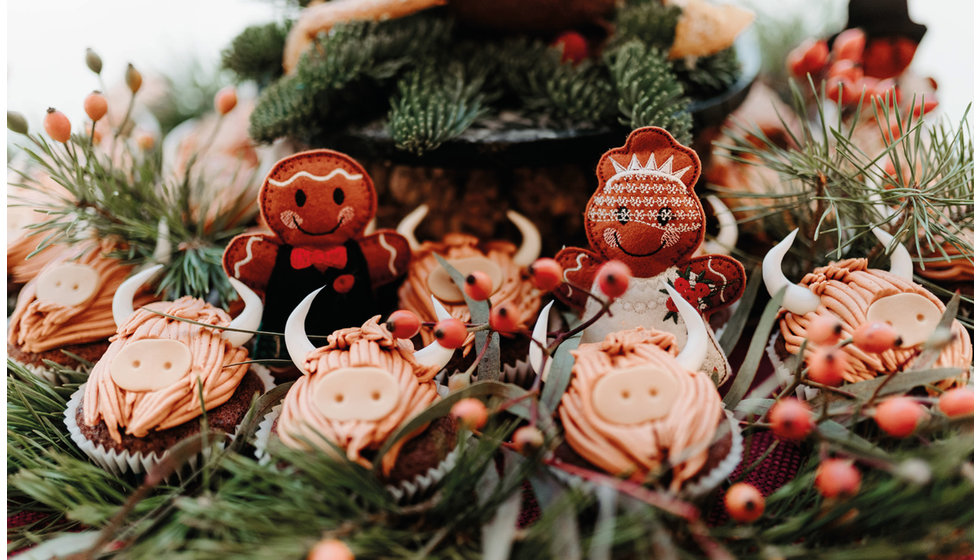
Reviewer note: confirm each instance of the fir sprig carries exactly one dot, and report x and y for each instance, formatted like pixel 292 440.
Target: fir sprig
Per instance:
pixel 652 23
pixel 256 53
pixel 709 75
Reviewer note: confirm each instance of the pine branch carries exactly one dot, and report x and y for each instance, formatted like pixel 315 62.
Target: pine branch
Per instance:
pixel 709 75
pixel 652 23
pixel 256 53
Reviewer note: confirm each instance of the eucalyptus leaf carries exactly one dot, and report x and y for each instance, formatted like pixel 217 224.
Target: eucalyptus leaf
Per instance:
pixel 565 544
pixel 750 366
pixel 489 367
pixel 837 433
pixel 900 383
pixel 736 324
pixel 560 373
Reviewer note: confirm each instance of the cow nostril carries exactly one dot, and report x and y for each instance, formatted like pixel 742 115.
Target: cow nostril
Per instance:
pixel 375 395
pixel 58 283
pixel 653 392
pixel 74 287
pixel 625 394
pixel 136 363
pixel 920 317
pixel 166 365
pixel 338 397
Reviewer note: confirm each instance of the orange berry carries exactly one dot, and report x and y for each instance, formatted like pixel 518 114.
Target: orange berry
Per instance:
pixel 330 549
pixel 842 90
pixel 824 329
pixel 57 125
pixel 404 323
pixel 826 365
pixel 546 274
pixel 450 333
pixel 837 477
pixel 791 419
pixel 503 319
pixel 957 402
pixel 614 278
pixel 133 78
pixel 95 106
pixel 225 100
pixel 744 502
pixel 849 45
pixel 528 439
pixel 899 416
pixel 471 413
pixel 145 141
pixel 876 337
pixel 478 285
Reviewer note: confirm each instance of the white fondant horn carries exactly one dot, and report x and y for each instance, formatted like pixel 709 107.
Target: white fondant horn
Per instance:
pixel 122 300
pixel 727 237
pixel 407 226
pixel 297 343
pixel 435 354
pixel 540 335
pixel 441 312
pixel 164 248
pixel 249 319
pixel 531 243
pixel 692 355
pixel 798 299
pixel 371 227
pixel 900 258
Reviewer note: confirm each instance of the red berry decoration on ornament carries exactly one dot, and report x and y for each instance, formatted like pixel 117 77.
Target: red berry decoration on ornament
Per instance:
pixel 57 125
pixel 849 45
pixel 876 337
pixel 546 274
pixel 957 402
pixel 744 503
pixel 824 329
pixel 404 323
pixel 837 477
pixel 614 278
pixel 471 413
pixel 791 419
pixel 826 365
pixel 574 47
pixel 503 319
pixel 479 285
pixel 528 439
pixel 808 58
pixel 899 416
pixel 451 333
pixel 225 100
pixel 330 549
pixel 95 106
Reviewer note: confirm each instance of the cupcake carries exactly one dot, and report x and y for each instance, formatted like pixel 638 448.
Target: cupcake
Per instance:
pixel 638 408
pixel 355 392
pixel 144 394
pixel 23 263
pixel 855 294
pixel 68 308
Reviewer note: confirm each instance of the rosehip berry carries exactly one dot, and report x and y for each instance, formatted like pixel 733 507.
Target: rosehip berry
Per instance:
pixel 573 46
pixel 791 419
pixel 95 106
pixel 503 319
pixel 957 402
pixel 133 78
pixel 225 100
pixel 471 413
pixel 824 329
pixel 876 337
pixel 528 439
pixel 458 381
pixel 826 365
pixel 614 278
pixel 450 333
pixel 744 502
pixel 808 58
pixel 849 45
pixel 57 125
pixel 845 70
pixel 837 477
pixel 404 323
pixel 546 274
pixel 898 416
pixel 844 91
pixel 478 285
pixel 330 549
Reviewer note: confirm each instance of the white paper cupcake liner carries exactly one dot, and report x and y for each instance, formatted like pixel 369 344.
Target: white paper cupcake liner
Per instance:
pixel 519 373
pixel 785 374
pixel 122 462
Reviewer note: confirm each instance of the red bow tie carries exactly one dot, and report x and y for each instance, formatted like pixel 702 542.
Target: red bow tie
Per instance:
pixel 335 257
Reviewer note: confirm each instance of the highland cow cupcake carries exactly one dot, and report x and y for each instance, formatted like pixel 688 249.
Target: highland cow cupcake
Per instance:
pixel 144 395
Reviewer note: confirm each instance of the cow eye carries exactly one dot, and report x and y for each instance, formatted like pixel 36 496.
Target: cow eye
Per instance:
pixel 622 215
pixel 338 195
pixel 300 198
pixel 664 215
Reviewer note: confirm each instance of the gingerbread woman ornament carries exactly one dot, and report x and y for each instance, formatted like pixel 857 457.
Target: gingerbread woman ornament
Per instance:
pixel 645 213
pixel 317 204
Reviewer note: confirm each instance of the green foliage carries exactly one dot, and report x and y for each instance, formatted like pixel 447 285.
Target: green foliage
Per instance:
pixel 256 53
pixel 709 75
pixel 650 22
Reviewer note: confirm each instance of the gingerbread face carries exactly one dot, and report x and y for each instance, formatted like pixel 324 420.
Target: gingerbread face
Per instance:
pixel 645 212
pixel 320 197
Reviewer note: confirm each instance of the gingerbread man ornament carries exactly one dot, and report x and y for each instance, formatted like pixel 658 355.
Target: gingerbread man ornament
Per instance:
pixel 645 213
pixel 317 204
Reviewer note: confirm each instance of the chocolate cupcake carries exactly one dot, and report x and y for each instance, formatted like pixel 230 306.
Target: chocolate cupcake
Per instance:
pixel 144 394
pixel 355 392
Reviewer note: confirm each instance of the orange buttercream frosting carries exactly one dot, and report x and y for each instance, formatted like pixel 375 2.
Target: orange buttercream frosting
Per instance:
pixel 957 268
pixel 139 412
pixel 22 269
pixel 369 345
pixel 679 440
pixel 38 326
pixel 517 292
pixel 846 289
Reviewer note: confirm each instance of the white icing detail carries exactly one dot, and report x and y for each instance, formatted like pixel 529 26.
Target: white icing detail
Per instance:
pixel 297 343
pixel 122 301
pixel 798 299
pixel 391 251
pixel 724 280
pixel 249 319
pixel 901 261
pixel 248 256
pixel 540 334
pixel 579 265
pixel 346 214
pixel 150 364
pixel 290 219
pixel 666 169
pixel 68 284
pixel 696 349
pixel 308 175
pixel 407 226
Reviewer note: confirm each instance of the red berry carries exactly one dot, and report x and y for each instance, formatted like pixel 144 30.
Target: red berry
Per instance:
pixel 849 45
pixel 95 106
pixel 791 419
pixel 898 416
pixel 957 402
pixel 404 323
pixel 503 319
pixel 574 48
pixel 478 286
pixel 614 278
pixel 876 337
pixel 808 58
pixel 330 549
pixel 826 365
pixel 744 502
pixel 528 439
pixel 844 91
pixel 837 477
pixel 57 126
pixel 225 100
pixel 471 413
pixel 845 70
pixel 546 274
pixel 824 329
pixel 451 333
